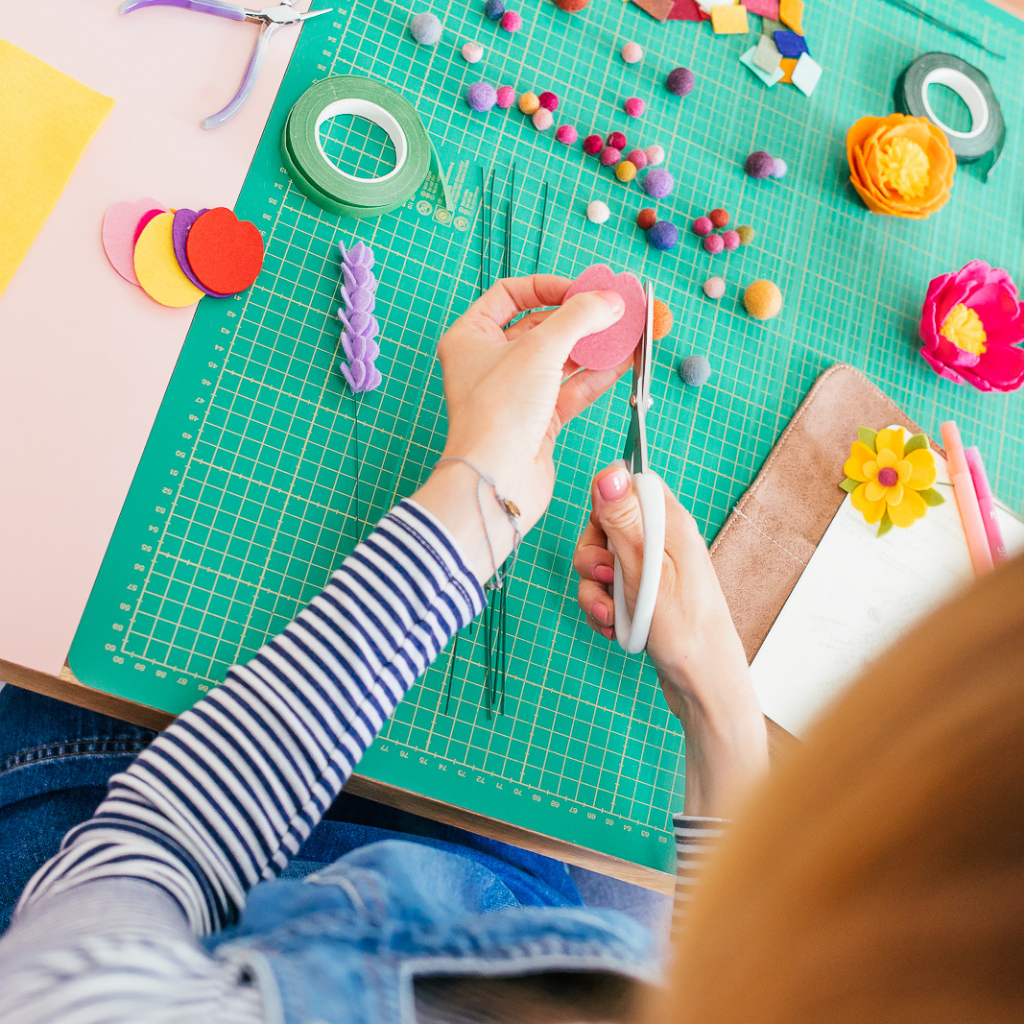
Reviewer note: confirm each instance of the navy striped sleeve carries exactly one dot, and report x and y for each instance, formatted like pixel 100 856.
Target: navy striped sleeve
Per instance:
pixel 696 839
pixel 231 790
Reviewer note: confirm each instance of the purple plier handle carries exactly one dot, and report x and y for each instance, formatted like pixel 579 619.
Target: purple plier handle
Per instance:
pixel 218 8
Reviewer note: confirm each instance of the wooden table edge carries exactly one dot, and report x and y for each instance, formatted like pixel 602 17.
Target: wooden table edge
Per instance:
pixel 67 688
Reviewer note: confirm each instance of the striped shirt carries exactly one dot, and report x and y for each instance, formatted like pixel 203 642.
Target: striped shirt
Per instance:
pixel 108 930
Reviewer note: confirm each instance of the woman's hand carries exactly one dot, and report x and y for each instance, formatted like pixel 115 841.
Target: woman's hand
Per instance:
pixel 693 644
pixel 507 403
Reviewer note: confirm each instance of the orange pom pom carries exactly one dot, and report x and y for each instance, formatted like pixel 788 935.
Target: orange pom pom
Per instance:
pixel 662 320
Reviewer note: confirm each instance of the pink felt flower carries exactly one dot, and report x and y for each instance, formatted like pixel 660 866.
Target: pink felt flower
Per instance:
pixel 972 326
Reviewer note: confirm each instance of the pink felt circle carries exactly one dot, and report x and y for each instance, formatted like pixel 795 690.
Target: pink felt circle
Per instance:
pixel 610 347
pixel 119 234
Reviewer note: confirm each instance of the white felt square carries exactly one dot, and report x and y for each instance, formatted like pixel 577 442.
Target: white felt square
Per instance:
pixel 806 74
pixel 706 5
pixel 747 60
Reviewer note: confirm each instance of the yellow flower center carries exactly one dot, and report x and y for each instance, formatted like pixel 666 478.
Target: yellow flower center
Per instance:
pixel 903 165
pixel 964 328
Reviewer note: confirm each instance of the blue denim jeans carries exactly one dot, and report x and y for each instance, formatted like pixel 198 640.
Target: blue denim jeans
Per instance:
pixel 55 760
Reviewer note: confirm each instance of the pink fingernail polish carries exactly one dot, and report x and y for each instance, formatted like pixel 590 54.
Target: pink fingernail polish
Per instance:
pixel 604 574
pixel 600 613
pixel 612 486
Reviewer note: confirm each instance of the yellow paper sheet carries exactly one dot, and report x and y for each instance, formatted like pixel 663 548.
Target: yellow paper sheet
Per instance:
pixel 46 121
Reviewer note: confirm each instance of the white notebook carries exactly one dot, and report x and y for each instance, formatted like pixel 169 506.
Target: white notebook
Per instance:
pixel 859 593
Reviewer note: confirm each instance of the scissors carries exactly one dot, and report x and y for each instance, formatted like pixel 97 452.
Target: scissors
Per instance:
pixel 632 632
pixel 270 19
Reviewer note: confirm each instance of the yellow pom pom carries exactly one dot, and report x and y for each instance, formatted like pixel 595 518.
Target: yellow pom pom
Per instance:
pixel 626 170
pixel 528 103
pixel 763 300
pixel 662 320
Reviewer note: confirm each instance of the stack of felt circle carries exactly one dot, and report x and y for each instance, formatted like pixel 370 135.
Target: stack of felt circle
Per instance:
pixel 333 189
pixel 179 256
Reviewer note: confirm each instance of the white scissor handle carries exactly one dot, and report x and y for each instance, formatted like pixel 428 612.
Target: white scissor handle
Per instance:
pixel 632 633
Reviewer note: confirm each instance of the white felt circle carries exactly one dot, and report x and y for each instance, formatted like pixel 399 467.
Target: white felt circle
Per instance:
pixel 967 91
pixel 380 117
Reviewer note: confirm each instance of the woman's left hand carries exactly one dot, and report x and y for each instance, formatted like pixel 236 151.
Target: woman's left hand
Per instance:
pixel 507 402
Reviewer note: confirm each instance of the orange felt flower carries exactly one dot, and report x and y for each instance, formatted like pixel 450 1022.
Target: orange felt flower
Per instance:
pixel 901 166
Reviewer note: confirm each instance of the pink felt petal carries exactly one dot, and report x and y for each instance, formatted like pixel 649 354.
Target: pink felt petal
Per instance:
pixel 143 221
pixel 610 347
pixel 999 369
pixel 119 224
pixel 941 368
pixel 685 10
pixel 766 8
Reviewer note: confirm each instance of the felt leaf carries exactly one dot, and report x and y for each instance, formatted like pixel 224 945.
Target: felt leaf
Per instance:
pixel 917 441
pixel 849 485
pixel 884 525
pixel 931 497
pixel 867 436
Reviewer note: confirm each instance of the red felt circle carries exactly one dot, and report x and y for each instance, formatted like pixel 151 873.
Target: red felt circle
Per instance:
pixel 225 253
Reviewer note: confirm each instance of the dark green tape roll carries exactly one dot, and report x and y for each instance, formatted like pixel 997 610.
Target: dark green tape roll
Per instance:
pixel 987 135
pixel 325 184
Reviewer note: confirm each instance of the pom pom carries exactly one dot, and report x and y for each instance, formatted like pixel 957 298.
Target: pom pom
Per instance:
pixel 719 217
pixel 616 140
pixel 593 145
pixel 646 218
pixel 625 171
pixel 659 183
pixel 632 53
pixel 543 120
pixel 610 155
pixel 779 167
pixel 571 6
pixel 714 287
pixel 472 53
pixel 702 226
pixel 506 96
pixel 731 240
pixel 598 212
pixel 763 300
pixel 759 164
pixel 425 29
pixel 494 9
pixel 680 82
pixel 655 155
pixel 566 134
pixel 638 158
pixel 635 106
pixel 662 320
pixel 695 371
pixel 511 22
pixel 481 96
pixel 528 103
pixel 548 100
pixel 664 235
pixel 746 234
pixel 713 244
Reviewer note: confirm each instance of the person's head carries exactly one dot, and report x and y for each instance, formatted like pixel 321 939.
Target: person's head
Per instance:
pixel 878 875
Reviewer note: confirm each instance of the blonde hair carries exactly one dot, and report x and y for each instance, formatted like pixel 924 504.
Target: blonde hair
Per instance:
pixel 878 875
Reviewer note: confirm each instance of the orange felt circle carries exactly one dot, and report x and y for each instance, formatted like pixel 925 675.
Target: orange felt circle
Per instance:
pixel 225 253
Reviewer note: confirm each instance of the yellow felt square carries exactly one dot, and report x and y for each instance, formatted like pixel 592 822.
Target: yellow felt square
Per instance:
pixel 46 121
pixel 791 13
pixel 729 19
pixel 787 64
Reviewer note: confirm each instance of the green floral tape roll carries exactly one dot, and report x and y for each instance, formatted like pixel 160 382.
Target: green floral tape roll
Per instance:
pixel 337 191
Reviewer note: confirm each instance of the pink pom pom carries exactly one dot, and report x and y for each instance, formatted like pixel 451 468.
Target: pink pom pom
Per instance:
pixel 511 22
pixel 635 106
pixel 731 240
pixel 702 226
pixel 548 100
pixel 593 145
pixel 610 155
pixel 713 244
pixel 566 134
pixel 638 158
pixel 506 96
pixel 616 140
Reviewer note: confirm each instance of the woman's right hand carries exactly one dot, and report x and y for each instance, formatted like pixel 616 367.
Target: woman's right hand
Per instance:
pixel 693 643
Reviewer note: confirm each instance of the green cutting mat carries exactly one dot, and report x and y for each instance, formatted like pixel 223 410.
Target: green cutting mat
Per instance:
pixel 245 499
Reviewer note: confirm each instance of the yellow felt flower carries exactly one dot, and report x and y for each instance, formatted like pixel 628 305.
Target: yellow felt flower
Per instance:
pixel 890 482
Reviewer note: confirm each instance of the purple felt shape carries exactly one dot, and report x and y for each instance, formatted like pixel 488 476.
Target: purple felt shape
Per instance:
pixel 359 299
pixel 791 44
pixel 358 322
pixel 361 327
pixel 359 349
pixel 358 255
pixel 180 227
pixel 354 374
pixel 359 276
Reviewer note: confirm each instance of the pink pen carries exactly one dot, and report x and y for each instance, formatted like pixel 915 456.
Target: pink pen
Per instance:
pixel 996 545
pixel 966 499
